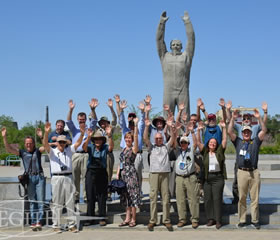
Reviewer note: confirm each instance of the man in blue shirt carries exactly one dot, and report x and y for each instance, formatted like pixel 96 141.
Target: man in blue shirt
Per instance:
pixel 59 130
pixel 80 158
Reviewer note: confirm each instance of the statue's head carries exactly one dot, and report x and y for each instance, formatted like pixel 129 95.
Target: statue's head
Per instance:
pixel 176 46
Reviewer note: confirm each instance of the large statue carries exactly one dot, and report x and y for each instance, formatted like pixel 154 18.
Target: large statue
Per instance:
pixel 176 65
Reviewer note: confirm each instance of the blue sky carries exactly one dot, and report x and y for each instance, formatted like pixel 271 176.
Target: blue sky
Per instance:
pixel 53 50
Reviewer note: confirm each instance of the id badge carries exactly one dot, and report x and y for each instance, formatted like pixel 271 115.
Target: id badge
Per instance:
pixel 121 165
pixel 182 165
pixel 247 155
pixel 242 152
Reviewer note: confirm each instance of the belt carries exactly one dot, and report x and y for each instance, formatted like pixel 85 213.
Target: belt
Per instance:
pixel 80 152
pixel 215 173
pixel 61 174
pixel 185 176
pixel 247 169
pixel 36 173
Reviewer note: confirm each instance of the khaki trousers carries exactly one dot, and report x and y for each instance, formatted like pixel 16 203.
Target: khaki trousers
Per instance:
pixel 159 183
pixel 79 169
pixel 187 185
pixel 248 182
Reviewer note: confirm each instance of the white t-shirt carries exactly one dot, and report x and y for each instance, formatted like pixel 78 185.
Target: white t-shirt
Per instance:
pixel 214 165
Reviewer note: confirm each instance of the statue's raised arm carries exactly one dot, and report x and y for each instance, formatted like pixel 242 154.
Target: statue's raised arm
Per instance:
pixel 161 46
pixel 191 37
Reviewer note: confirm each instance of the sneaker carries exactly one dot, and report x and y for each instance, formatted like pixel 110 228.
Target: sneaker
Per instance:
pixel 241 225
pixel 102 223
pixel 169 227
pixel 151 226
pixel 33 226
pixel 39 226
pixel 181 224
pixel 57 230
pixel 256 225
pixel 195 225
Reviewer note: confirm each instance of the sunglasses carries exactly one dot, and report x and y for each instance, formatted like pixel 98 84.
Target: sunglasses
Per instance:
pixel 61 142
pixel 184 142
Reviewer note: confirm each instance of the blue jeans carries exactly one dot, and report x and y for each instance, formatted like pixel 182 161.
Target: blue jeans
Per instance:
pixel 36 196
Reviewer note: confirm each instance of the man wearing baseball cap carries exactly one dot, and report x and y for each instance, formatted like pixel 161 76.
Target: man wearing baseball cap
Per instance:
pixel 248 175
pixel 186 180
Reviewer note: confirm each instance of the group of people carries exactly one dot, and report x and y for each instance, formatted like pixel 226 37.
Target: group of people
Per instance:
pixel 185 156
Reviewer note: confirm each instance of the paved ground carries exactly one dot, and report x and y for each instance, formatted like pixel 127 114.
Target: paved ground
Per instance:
pixel 135 235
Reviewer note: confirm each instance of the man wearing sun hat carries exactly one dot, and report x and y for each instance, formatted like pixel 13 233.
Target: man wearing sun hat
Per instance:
pixel 186 180
pixel 96 176
pixel 63 187
pixel 248 175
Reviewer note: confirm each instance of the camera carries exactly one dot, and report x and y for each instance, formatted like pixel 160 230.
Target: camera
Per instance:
pixel 63 168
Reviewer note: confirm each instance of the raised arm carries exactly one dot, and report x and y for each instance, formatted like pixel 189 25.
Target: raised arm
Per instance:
pixel 8 147
pixel 93 104
pixel 146 133
pixel 191 38
pixel 223 106
pixel 122 122
pixel 135 137
pixel 45 139
pixel 114 116
pixel 199 140
pixel 117 100
pixel 200 103
pixel 231 133
pixel 228 111
pixel 179 114
pixel 161 46
pixel 191 130
pixel 80 139
pixel 109 134
pixel 262 133
pixel 148 106
pixel 39 133
pixel 86 142
pixel 71 108
pixel 224 132
pixel 264 108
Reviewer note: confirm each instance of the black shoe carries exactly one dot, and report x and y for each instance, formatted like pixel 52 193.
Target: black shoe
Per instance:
pixel 256 225
pixel 151 227
pixel 169 227
pixel 241 225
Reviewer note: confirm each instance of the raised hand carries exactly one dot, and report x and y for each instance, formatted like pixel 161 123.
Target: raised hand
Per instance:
pixel 117 98
pixel 148 108
pixel 147 122
pixel 222 123
pixel 163 17
pixel 110 103
pixel 108 130
pixel 166 107
pixel 181 106
pixel 190 126
pixel 257 113
pixel 93 103
pixel 39 132
pixel 147 100
pixel 135 120
pixel 186 17
pixel 222 102
pixel 47 127
pixel 200 104
pixel 200 125
pixel 184 117
pixel 264 106
pixel 123 104
pixel 235 114
pixel 71 104
pixel 178 125
pixel 89 132
pixel 141 106
pixel 229 104
pixel 4 132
